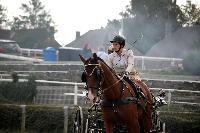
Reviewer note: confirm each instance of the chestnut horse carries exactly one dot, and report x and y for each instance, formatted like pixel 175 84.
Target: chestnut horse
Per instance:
pixel 119 102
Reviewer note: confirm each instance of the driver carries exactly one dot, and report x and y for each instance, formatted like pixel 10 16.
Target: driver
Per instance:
pixel 122 60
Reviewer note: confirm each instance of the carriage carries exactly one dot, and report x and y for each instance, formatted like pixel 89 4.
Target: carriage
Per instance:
pixel 94 123
pixel 118 105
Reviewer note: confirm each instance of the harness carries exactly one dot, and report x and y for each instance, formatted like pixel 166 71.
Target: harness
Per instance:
pixel 117 102
pixel 121 100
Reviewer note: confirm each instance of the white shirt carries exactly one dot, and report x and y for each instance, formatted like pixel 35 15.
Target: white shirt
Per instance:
pixel 121 63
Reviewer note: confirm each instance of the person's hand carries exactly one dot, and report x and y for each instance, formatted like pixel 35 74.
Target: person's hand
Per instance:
pixel 127 73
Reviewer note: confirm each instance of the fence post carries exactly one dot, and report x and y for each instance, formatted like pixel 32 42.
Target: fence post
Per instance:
pixel 23 123
pixel 163 127
pixel 143 63
pixel 169 98
pixel 75 93
pixel 65 119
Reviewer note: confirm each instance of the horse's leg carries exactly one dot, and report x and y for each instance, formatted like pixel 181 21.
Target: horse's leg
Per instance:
pixel 133 126
pixel 109 127
pixel 147 124
pixel 145 120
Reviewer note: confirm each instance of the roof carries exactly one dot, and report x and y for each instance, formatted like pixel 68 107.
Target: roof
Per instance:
pixel 94 39
pixel 41 38
pixel 176 45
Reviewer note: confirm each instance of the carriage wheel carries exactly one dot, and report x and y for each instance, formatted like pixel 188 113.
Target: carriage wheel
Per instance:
pixel 158 125
pixel 78 121
pixel 161 127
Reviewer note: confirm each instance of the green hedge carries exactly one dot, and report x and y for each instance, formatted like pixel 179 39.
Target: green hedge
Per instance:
pixel 44 119
pixel 18 92
pixel 181 122
pixel 39 119
pixel 49 119
pixel 10 117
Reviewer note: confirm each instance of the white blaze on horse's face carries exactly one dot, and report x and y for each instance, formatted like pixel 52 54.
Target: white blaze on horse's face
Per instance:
pixel 92 95
pixel 92 74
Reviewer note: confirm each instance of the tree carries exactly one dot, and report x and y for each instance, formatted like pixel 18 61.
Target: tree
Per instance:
pixel 152 18
pixel 113 24
pixel 3 16
pixel 191 14
pixel 34 26
pixel 35 17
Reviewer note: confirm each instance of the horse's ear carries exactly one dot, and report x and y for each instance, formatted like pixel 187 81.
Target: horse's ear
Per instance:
pixel 82 59
pixel 94 55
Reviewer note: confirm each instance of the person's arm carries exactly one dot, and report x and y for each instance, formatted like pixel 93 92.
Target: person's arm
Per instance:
pixel 130 67
pixel 109 61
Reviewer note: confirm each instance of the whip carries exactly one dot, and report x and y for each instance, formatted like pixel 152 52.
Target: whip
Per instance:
pixel 133 43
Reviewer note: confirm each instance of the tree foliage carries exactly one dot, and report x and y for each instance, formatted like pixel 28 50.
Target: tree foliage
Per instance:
pixel 34 26
pixel 35 17
pixel 152 18
pixel 191 14
pixel 3 16
pixel 18 92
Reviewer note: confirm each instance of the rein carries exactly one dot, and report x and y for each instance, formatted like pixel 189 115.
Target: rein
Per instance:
pixel 96 66
pixel 106 89
pixel 105 103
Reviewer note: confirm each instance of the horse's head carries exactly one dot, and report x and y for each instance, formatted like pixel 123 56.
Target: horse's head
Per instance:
pixel 92 75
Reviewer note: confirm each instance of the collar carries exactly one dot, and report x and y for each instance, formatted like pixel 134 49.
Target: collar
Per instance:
pixel 122 54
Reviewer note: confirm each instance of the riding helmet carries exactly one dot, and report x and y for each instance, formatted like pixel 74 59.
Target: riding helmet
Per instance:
pixel 119 40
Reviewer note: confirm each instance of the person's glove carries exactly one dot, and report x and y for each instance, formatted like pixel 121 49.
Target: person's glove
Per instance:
pixel 126 74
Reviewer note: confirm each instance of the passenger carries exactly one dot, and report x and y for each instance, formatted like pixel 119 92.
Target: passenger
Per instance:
pixel 102 54
pixel 87 52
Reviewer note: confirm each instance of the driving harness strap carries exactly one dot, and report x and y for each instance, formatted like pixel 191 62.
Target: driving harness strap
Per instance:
pixel 116 102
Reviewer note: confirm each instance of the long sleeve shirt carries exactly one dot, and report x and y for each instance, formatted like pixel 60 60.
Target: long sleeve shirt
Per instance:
pixel 121 63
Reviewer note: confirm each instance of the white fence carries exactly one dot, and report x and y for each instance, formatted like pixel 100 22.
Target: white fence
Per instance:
pixel 65 93
pixel 141 62
pixel 81 92
pixel 74 93
pixel 147 62
pixel 21 58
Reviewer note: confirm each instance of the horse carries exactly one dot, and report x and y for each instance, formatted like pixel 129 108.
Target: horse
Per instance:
pixel 119 103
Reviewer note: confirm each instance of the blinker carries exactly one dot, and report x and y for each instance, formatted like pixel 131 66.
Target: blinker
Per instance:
pixel 83 77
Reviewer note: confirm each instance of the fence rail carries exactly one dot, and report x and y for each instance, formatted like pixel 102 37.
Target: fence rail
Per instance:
pixel 141 62
pixel 78 91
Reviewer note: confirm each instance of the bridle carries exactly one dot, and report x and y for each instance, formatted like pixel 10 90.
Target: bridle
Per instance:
pixel 98 73
pixel 100 90
pixel 96 66
pixel 99 77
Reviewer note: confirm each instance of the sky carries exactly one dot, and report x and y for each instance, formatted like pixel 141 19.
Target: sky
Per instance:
pixel 76 15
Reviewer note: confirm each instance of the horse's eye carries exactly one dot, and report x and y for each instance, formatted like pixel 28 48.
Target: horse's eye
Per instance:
pixel 83 77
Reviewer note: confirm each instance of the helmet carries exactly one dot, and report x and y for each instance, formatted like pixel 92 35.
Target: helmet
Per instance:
pixel 119 40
